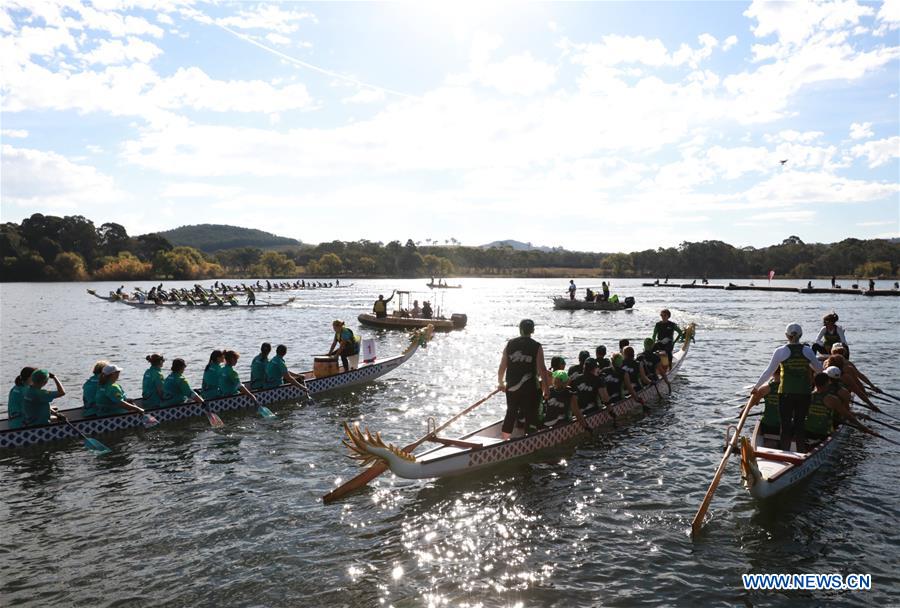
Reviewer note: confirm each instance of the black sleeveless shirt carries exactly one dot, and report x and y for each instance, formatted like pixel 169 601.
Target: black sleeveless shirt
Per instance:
pixel 521 355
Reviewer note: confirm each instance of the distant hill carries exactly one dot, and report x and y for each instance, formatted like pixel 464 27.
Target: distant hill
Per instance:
pixel 215 237
pixel 519 246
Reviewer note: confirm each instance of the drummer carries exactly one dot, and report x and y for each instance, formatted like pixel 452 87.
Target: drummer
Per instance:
pixel 345 344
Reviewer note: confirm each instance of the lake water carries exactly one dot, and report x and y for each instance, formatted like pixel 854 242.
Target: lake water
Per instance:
pixel 185 515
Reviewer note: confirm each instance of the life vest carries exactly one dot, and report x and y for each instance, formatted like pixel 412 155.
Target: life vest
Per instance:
pixel 771 417
pixel 380 306
pixel 795 372
pixel 818 420
pixel 829 339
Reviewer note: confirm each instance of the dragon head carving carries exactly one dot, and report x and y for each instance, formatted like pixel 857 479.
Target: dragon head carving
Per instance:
pixel 368 448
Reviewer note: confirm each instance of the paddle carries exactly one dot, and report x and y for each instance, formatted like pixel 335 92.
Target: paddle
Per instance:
pixel 881 392
pixel 880 397
pixel 876 421
pixel 697 522
pixel 90 443
pixel 213 417
pixel 377 469
pixel 580 416
pixel 869 431
pixel 878 410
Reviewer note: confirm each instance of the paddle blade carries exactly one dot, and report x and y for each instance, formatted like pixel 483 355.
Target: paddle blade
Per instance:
pixel 266 412
pixel 214 419
pixel 96 447
pixel 150 421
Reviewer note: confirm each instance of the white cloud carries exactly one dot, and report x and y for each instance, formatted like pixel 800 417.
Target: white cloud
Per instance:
pixel 365 95
pixel 879 152
pixel 729 42
pixel 268 17
pixel 792 23
pixel 47 180
pixel 889 13
pixel 861 130
pixel 198 190
pixel 277 38
pixel 112 52
pixel 14 133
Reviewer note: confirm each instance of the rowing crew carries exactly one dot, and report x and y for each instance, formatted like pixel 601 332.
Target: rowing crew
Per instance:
pixel 594 382
pixel 804 397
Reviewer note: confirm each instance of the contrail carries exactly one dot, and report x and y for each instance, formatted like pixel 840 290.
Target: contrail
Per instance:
pixel 310 66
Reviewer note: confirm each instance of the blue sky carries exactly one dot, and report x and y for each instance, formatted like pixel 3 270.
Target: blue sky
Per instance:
pixel 595 126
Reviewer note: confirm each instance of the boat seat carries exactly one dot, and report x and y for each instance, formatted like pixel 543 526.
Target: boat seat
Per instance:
pixel 484 440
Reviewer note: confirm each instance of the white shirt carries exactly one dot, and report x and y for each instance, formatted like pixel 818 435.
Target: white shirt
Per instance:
pixel 780 355
pixel 820 339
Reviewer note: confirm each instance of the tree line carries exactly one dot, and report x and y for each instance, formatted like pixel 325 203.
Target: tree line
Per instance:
pixel 51 248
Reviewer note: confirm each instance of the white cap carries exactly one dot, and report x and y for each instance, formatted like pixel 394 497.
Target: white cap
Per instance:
pixel 793 330
pixel 836 346
pixel 833 371
pixel 111 369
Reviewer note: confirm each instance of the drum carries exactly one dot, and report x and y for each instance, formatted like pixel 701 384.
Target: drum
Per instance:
pixel 325 366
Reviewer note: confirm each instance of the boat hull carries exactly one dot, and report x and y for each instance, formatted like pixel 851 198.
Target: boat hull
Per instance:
pixel 769 472
pixel 18 438
pixel 567 304
pixel 393 322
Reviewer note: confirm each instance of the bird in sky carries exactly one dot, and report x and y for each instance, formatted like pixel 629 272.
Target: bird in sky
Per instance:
pixel 783 162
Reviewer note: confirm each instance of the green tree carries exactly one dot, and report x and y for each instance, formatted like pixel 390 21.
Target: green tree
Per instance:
pixel 330 263
pixel 69 266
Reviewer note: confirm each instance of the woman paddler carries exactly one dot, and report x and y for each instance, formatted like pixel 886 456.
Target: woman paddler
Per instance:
pixel 176 389
pixel 230 382
pixel 36 400
pixel 521 366
pixel 16 395
pixel 111 398
pixel 258 367
pixel 344 345
pixel 212 374
pixel 152 387
pixel 89 389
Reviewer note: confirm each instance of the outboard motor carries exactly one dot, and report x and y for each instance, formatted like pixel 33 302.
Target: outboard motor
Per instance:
pixel 629 302
pixel 459 320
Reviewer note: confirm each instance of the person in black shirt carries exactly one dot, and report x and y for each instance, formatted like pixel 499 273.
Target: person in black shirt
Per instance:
pixel 521 366
pixel 577 369
pixel 558 405
pixel 602 361
pixel 588 386
pixel 665 331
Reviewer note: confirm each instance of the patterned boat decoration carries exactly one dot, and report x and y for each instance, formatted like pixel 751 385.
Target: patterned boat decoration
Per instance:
pixel 485 447
pixel 18 438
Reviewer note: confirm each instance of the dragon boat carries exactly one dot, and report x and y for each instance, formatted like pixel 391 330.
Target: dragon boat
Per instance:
pixel 767 470
pixel 19 438
pixel 485 447
pixel 567 304
pixel 187 305
pixel 442 286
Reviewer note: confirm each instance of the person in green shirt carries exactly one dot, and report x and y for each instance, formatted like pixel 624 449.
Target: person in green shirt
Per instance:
pixel 176 389
pixel 89 390
pixel 152 387
pixel 111 398
pixel 258 367
pixel 277 371
pixel 211 375
pixel 230 382
pixel 344 344
pixel 36 400
pixel 16 393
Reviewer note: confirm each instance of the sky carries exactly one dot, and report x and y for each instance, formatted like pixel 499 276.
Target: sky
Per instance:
pixel 592 126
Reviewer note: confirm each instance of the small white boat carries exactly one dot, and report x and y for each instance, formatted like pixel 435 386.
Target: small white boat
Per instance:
pixel 485 447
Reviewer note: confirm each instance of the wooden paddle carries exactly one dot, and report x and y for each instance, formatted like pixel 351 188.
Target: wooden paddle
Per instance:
pixel 876 421
pixel 697 522
pixel 375 470
pixel 881 392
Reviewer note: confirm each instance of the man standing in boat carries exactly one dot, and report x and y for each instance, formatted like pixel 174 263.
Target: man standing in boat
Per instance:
pixel 572 289
pixel 795 390
pixel 380 306
pixel 521 365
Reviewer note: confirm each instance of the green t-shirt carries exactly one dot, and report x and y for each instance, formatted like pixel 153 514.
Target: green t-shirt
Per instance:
pixel 152 386
pixel 229 381
pixel 275 371
pixel 89 395
pixel 109 396
pixel 36 405
pixel 14 407
pixel 211 381
pixel 176 390
pixel 258 371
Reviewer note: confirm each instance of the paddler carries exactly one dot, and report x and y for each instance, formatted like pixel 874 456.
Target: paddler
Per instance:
pixel 89 389
pixel 651 362
pixel 212 374
pixel 258 367
pixel 664 332
pixel 634 369
pixel 771 420
pixel 825 406
pixel 579 368
pixel 830 334
pixel 848 378
pixel 600 355
pixel 380 306
pixel 795 361
pixel 176 389
pixel 152 385
pixel 521 366
pixel 229 381
pixel 558 405
pixel 588 386
pixel 36 400
pixel 618 382
pixel 838 349
pixel 277 372
pixel 16 395
pixel 344 345
pixel 111 398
